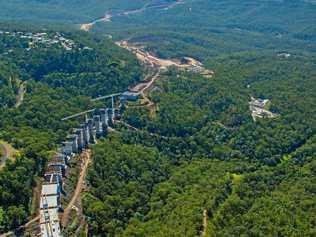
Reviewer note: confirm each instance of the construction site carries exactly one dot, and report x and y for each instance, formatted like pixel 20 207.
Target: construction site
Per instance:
pixel 186 63
pixel 53 218
pixel 259 109
pixel 54 215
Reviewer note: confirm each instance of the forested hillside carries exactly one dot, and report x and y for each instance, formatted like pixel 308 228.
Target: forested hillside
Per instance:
pixel 204 28
pixel 236 202
pixel 220 167
pixel 71 11
pixel 137 192
pixel 61 72
pixel 232 154
pixel 212 116
pixel 197 28
pixel 131 172
pixel 9 84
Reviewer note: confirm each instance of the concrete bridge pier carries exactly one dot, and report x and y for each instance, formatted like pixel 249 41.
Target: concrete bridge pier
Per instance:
pixel 92 134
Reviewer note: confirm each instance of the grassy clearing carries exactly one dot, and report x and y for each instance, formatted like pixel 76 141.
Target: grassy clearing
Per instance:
pixel 6 150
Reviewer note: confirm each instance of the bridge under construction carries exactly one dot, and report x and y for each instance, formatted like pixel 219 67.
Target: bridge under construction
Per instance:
pixel 96 124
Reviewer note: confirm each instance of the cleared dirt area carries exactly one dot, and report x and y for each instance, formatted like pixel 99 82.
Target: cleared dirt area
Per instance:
pixel 146 57
pixel 186 63
pixel 88 26
pixel 156 66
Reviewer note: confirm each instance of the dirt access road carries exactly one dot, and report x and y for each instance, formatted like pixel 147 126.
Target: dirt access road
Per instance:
pixel 143 93
pixel 85 161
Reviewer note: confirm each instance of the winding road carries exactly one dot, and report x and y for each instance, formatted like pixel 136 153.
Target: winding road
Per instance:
pixel 109 15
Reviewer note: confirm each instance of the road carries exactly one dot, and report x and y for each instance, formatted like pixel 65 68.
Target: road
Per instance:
pixel 148 103
pixel 86 159
pixel 155 64
pixel 109 15
pixel 151 82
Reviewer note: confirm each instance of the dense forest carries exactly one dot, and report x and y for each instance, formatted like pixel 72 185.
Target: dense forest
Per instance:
pixel 71 11
pixel 196 163
pixel 215 121
pixel 206 28
pixel 58 81
pixel 137 192
pixel 245 177
pixel 131 172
